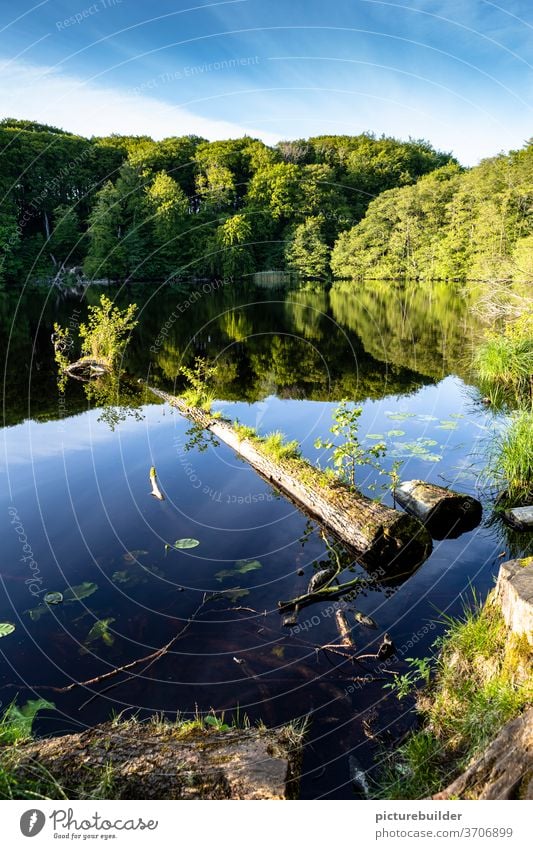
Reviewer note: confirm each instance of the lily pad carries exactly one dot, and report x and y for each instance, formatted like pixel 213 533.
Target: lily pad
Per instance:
pixel 399 417
pixel 374 436
pixel 80 592
pixel 53 598
pixel 187 542
pixel 241 568
pixel 395 433
pixel 447 425
pixel 6 628
pixel 425 417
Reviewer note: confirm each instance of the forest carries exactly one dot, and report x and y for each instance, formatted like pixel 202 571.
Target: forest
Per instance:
pixel 135 209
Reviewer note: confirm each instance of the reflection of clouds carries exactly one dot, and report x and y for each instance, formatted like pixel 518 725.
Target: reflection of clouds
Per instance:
pixel 32 440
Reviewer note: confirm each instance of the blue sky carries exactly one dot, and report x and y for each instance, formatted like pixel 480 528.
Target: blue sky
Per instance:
pixel 457 72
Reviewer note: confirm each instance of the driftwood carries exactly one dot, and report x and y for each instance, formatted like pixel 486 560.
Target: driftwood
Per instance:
pixel 87 368
pixel 445 513
pixel 377 534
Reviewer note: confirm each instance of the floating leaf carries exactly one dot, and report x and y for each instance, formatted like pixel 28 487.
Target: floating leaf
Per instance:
pixel 395 433
pixel 132 556
pixel 234 594
pixel 374 436
pixel 457 415
pixel 80 592
pixel 187 542
pixel 242 567
pixel 447 425
pixel 53 598
pixel 425 417
pixel 399 417
pixel 278 651
pixel 6 628
pixel 121 577
pixel 100 631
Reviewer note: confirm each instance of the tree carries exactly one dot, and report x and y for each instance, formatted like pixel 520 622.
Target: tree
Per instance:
pixel 306 251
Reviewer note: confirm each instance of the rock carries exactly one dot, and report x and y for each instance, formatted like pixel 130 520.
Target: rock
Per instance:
pixel 520 518
pixel 504 771
pixel 162 761
pixel 445 513
pixel 514 594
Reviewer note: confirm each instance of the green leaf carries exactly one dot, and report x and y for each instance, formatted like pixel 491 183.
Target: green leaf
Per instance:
pixel 80 592
pixel 53 598
pixel 374 436
pixel 17 721
pixel 187 542
pixel 6 628
pixel 447 425
pixel 100 631
pixel 395 433
pixel 399 417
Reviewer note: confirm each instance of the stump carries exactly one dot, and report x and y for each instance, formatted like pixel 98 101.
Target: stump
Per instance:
pixel 380 537
pixel 445 513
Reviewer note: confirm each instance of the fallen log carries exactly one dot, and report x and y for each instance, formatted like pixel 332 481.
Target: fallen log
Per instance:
pixel 445 513
pixel 378 535
pixel 87 368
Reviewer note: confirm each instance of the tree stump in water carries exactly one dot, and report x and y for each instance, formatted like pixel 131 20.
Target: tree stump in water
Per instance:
pixel 388 542
pixel 445 513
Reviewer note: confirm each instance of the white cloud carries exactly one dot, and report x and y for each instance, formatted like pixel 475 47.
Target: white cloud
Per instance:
pixel 39 93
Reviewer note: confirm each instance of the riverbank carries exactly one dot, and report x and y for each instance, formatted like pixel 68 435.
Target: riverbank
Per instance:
pixel 474 716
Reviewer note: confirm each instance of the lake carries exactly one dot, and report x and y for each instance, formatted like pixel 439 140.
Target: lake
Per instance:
pixel 78 512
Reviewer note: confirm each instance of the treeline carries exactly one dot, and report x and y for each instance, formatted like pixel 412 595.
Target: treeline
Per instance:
pixel 130 208
pixel 452 224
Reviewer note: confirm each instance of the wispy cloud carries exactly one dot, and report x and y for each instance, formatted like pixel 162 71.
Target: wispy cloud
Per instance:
pixel 40 93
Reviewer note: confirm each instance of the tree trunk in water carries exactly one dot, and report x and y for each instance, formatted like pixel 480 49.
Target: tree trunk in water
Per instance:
pixel 391 543
pixel 444 512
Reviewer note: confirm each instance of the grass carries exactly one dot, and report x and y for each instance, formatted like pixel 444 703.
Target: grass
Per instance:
pixel 482 681
pixel 504 364
pixel 511 461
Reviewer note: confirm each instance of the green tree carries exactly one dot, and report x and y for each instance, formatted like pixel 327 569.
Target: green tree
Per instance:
pixel 306 251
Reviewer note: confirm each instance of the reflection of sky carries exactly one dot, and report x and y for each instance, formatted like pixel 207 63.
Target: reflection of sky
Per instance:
pixel 31 441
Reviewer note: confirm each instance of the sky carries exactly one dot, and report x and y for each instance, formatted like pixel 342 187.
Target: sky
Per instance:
pixel 458 73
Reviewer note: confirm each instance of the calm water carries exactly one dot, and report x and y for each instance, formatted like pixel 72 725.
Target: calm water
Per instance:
pixel 75 477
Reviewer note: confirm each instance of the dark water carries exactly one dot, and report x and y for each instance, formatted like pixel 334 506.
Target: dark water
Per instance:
pixel 75 492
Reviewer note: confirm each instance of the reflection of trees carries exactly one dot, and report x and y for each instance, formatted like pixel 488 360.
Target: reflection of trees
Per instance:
pixel 299 344
pixel 427 329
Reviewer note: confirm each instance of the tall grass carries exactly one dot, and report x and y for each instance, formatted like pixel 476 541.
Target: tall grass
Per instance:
pixel 504 364
pixel 511 461
pixel 482 681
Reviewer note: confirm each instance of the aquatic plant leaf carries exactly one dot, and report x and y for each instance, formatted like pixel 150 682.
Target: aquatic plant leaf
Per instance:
pixel 17 721
pixel 132 556
pixel 425 417
pixel 374 436
pixel 447 425
pixel 279 651
pixel 53 598
pixel 399 417
pixel 186 542
pixel 100 631
pixel 242 567
pixel 80 592
pixel 395 433
pixel 6 628
pixel 234 594
pixel 121 577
